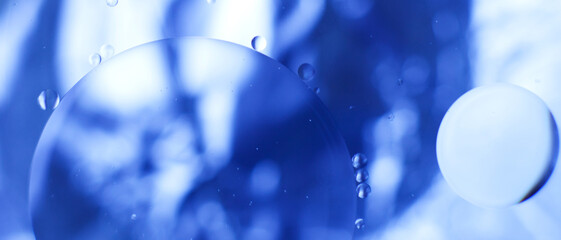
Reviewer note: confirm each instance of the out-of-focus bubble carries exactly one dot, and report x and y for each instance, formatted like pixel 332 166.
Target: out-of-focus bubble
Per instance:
pixel 258 43
pixel 363 190
pixel 112 3
pixel 192 152
pixel 497 145
pixel 106 51
pixel 265 178
pixel 210 1
pixel 359 160
pixel 353 9
pixel 95 59
pixel 48 99
pixel 415 71
pixel 306 71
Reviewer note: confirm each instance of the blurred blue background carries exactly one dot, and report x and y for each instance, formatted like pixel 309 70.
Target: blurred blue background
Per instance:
pixel 386 71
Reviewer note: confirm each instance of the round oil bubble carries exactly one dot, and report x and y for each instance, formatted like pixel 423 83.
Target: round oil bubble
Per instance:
pixel 306 71
pixel 361 175
pixel 48 99
pixel 363 190
pixel 359 223
pixel 258 43
pixel 106 51
pixel 95 59
pixel 359 160
pixel 158 144
pixel 497 145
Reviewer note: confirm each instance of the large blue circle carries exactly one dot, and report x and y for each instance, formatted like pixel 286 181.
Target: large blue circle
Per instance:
pixel 191 138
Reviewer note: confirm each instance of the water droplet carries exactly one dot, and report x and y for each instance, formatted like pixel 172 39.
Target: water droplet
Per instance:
pixel 48 99
pixel 95 59
pixel 210 1
pixel 363 190
pixel 112 3
pixel 106 51
pixel 133 217
pixel 361 175
pixel 391 117
pixel 359 160
pixel 306 71
pixel 359 223
pixel 317 90
pixel 399 81
pixel 258 43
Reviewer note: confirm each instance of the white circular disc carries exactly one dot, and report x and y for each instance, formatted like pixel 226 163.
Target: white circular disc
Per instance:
pixel 497 145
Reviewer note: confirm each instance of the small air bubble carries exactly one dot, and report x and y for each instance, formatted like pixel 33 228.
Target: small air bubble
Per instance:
pixel 399 81
pixel 95 59
pixel 48 99
pixel 106 51
pixel 112 3
pixel 391 117
pixel 359 223
pixel 317 90
pixel 363 190
pixel 133 217
pixel 359 160
pixel 210 1
pixel 306 71
pixel 258 43
pixel 361 175
pixel 250 203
